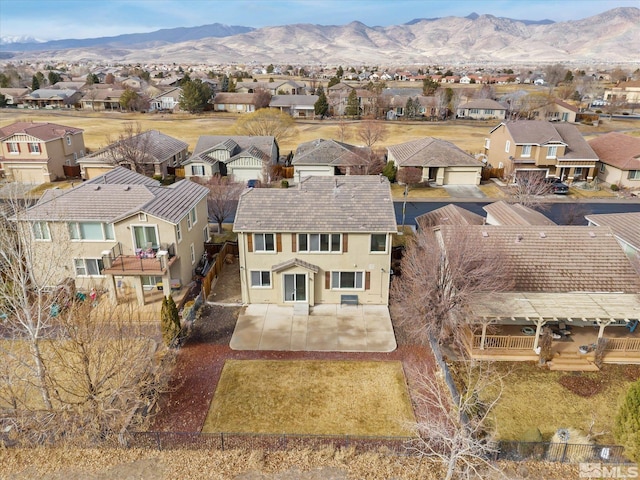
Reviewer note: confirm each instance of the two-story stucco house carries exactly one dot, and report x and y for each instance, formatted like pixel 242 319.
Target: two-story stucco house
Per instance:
pixel 321 242
pixel 553 149
pixel 482 109
pixel 122 232
pixel 37 152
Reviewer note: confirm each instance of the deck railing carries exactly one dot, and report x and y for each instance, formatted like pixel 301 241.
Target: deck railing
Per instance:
pixel 504 342
pixel 622 345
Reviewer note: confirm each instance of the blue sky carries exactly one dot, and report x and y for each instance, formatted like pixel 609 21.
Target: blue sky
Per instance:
pixel 58 19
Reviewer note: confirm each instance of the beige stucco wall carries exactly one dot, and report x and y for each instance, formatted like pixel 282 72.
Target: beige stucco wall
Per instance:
pixel 357 258
pixel 613 175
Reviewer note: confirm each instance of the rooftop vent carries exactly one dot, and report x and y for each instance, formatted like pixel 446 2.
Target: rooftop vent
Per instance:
pixel 127 188
pixel 485 233
pixel 97 187
pixel 543 235
pixel 519 238
pixel 592 234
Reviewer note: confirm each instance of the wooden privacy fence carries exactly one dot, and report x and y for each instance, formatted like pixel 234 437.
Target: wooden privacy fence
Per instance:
pixel 229 248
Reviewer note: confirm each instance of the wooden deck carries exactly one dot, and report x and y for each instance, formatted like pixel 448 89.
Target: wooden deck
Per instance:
pixel 133 265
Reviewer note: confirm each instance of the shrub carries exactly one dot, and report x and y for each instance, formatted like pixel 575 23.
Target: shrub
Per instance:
pixel 169 321
pixel 389 171
pixel 582 385
pixel 626 429
pixel 284 184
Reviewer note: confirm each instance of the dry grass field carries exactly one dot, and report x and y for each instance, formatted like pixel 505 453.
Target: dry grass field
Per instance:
pixel 311 397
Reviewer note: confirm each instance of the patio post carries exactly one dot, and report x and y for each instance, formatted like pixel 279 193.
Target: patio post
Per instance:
pixel 603 324
pixel 539 324
pixel 484 335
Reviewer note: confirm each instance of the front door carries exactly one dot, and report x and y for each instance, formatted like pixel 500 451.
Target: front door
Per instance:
pixel 295 287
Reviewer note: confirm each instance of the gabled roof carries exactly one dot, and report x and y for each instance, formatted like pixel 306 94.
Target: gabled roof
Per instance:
pixel 329 152
pixel 293 100
pixel 484 103
pixel 555 258
pixel 345 204
pixel 158 146
pixel 618 150
pixel 235 145
pixel 431 152
pixel 515 214
pixel 625 226
pixel 41 131
pixel 294 262
pixel 52 94
pixel 239 98
pixel 116 195
pixel 449 215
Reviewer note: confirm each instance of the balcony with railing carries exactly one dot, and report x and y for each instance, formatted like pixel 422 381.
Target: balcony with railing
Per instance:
pixel 149 261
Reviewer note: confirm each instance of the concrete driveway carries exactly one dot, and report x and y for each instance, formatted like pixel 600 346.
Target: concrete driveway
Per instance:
pixel 464 191
pixel 327 328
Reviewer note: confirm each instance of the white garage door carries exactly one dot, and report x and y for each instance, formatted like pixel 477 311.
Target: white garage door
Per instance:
pixel 461 177
pixel 314 171
pixel 244 174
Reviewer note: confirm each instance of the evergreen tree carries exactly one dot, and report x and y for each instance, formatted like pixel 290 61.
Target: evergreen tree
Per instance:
pixel 232 86
pixel 321 107
pixel 339 72
pixel 270 68
pixel 225 84
pixel 195 96
pixel 35 84
pixel 389 171
pixel 54 77
pixel 333 81
pixel 410 108
pixel 42 81
pixel 3 101
pixel 429 86
pixel 627 423
pixel 353 108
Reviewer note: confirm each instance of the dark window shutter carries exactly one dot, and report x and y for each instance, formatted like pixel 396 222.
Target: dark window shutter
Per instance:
pixel 367 280
pixel 278 242
pixel 250 242
pixel 294 238
pixel 327 280
pixel 345 243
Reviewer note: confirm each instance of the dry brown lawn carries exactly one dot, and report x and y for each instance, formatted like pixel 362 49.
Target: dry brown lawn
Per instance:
pixel 311 397
pixel 397 191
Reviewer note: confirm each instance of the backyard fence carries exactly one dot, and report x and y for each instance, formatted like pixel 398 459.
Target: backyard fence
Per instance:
pixel 560 452
pixel 229 248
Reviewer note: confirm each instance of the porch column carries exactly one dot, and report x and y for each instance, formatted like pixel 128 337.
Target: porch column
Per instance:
pixel 540 322
pixel 166 284
pixel 139 290
pixel 484 335
pixel 603 323
pixel 111 289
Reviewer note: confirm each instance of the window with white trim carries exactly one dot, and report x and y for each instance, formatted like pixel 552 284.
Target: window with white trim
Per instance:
pixel 88 267
pixel 552 151
pixel 13 148
pixel 34 147
pixel 197 170
pixel 41 231
pixel 347 280
pixel 68 139
pixel 320 242
pixel 526 151
pixel 205 233
pixel 194 216
pixel 378 243
pixel 260 279
pixel 603 168
pixel 634 175
pixel 91 231
pixel 192 251
pixel 178 232
pixel 507 146
pixel 487 143
pixel 264 242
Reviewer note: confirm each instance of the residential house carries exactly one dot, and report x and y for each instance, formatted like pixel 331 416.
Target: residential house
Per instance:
pixel 102 99
pixel 449 215
pixel 294 253
pixel 299 106
pixel 279 87
pixel 38 152
pixel 504 213
pixel 619 156
pixel 52 98
pixel 556 111
pixel 234 102
pixel 14 96
pixel 625 227
pixel 169 100
pixel 242 157
pixel 122 232
pixel 152 153
pixel 441 162
pixel 330 157
pixel 482 109
pixel 553 149
pixel 569 279
pixel 624 92
pixel 68 85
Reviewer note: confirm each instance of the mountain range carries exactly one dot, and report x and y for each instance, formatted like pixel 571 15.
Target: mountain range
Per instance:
pixel 610 37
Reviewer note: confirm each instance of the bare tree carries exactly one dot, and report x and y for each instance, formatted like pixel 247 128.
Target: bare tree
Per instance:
pixel 261 98
pixel 222 199
pixel 131 148
pixel 409 176
pixel 441 272
pixel 266 122
pixel 525 106
pixel 371 132
pixel 456 431
pixel 365 161
pixel 343 129
pixel 529 188
pixel 554 74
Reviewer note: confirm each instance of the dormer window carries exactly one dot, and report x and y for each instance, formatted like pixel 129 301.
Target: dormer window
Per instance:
pixel 552 151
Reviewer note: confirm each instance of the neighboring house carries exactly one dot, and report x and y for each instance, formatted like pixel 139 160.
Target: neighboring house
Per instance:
pixel 14 96
pixel 167 100
pixel 52 98
pixel 504 213
pixel 122 232
pixel 37 152
pixel 625 227
pixel 279 87
pixel 553 149
pixel 102 99
pixel 68 85
pixel 624 92
pixel 325 241
pixel 556 111
pixel 619 159
pixel 242 157
pixel 482 109
pixel 449 215
pixel 234 102
pixel 328 158
pixel 155 151
pixel 299 106
pixel 567 278
pixel 441 162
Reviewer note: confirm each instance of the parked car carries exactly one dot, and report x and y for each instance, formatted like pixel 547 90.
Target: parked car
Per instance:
pixel 253 183
pixel 557 186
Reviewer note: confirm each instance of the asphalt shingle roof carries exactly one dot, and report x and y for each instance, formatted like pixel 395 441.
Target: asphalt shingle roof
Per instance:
pixel 42 131
pixel 158 146
pixel 329 152
pixel 345 204
pixel 618 150
pixel 431 152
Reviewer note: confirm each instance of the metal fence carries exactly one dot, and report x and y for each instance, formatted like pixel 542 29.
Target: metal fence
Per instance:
pixel 561 452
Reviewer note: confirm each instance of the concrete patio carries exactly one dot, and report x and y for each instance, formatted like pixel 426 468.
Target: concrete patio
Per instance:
pixel 327 328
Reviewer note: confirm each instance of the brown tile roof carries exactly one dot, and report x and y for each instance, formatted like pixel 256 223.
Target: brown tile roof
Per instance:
pixel 558 258
pixel 431 152
pixel 41 131
pixel 345 204
pixel 625 226
pixel 618 150
pixel 449 215
pixel 482 103
pixel 515 214
pixel 239 98
pixel 329 152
